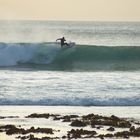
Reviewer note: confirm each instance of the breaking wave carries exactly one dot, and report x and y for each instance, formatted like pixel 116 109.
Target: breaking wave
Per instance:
pixel 135 101
pixel 80 57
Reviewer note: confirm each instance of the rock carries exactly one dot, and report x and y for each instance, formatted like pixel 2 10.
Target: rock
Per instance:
pixel 78 123
pixel 93 126
pixel 115 118
pixel 35 115
pixel 136 132
pixel 3 117
pixel 132 129
pixel 78 133
pixel 56 118
pixel 45 115
pixel 124 124
pixel 109 122
pixel 98 127
pixel 43 138
pixel 108 135
pixel 7 127
pixel 11 129
pixel 123 134
pixel 111 129
pixel 68 118
pixel 101 136
pixel 64 137
pixel 39 130
pixel 23 137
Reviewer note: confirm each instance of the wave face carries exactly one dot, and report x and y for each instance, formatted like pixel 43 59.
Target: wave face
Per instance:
pixel 81 57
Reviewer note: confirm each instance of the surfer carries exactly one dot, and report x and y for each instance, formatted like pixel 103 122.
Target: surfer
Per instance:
pixel 62 40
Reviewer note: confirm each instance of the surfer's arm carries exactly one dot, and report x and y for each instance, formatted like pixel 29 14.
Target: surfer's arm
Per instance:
pixel 58 39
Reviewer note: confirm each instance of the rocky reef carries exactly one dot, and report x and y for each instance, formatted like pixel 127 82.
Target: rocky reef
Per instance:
pixel 85 126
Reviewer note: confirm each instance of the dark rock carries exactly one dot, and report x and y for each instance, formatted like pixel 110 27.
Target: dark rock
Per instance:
pixel 7 127
pixel 100 136
pixel 56 118
pixel 11 129
pixel 111 129
pixel 108 135
pixel 45 115
pixel 14 131
pixel 78 123
pixel 64 137
pixel 132 129
pixel 92 116
pixel 121 123
pixel 124 124
pixel 78 133
pixel 23 137
pixel 68 118
pixel 115 118
pixel 3 117
pixel 123 134
pixel 136 132
pixel 31 137
pixel 75 133
pixel 39 130
pixel 93 126
pixel 126 134
pixel 92 119
pixel 35 115
pixel 98 127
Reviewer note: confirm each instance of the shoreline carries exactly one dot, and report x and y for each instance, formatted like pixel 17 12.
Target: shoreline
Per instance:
pixel 17 116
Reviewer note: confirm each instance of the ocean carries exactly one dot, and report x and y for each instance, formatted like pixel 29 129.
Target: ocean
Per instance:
pixel 102 69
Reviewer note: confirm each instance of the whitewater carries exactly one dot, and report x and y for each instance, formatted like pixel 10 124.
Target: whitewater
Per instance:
pixel 102 69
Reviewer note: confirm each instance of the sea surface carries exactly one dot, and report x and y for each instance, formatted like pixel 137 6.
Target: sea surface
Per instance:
pixel 102 69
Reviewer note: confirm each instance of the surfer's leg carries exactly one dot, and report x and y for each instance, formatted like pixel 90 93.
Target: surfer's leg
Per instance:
pixel 66 44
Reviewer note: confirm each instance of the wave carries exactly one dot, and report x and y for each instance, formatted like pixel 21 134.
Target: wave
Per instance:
pixel 135 101
pixel 81 57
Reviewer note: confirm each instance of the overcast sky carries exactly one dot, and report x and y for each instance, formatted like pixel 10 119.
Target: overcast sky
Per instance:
pixel 96 10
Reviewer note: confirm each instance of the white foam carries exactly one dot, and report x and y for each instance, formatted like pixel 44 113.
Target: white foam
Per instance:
pixel 12 54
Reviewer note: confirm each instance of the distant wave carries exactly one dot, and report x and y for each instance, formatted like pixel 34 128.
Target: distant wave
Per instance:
pixel 135 101
pixel 81 57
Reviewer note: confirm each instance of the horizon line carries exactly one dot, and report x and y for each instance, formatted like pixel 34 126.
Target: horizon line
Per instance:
pixel 69 20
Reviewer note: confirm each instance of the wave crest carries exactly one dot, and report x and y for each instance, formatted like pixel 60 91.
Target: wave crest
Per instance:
pixel 81 57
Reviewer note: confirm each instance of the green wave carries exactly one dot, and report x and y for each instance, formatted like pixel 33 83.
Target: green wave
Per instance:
pixel 51 56
pixel 86 57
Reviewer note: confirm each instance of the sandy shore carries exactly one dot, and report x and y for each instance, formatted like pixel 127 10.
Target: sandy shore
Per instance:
pixel 23 117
